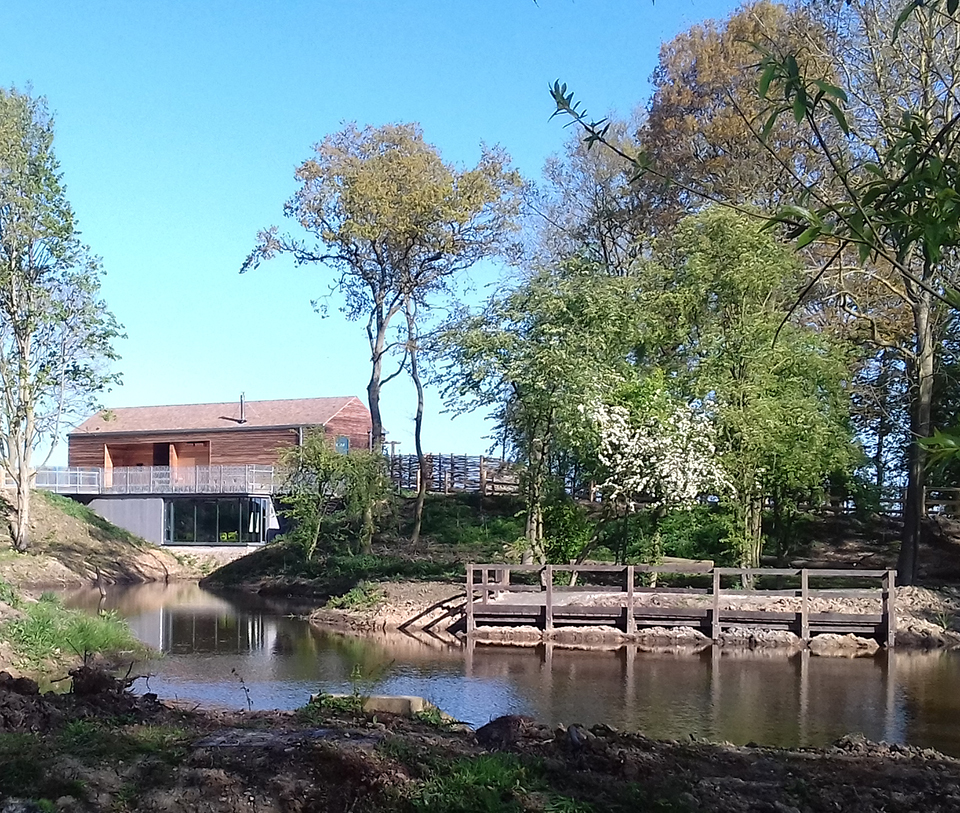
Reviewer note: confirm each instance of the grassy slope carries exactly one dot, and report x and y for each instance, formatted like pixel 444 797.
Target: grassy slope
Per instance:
pixel 70 544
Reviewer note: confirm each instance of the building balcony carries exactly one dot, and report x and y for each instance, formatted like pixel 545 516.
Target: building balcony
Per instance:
pixel 160 480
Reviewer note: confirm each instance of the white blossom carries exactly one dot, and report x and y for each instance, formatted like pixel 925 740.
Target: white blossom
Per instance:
pixel 656 461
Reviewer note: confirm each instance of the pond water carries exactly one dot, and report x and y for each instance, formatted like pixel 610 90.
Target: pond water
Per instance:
pixel 239 650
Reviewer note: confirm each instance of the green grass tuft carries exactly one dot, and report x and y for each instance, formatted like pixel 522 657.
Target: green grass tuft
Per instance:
pixel 48 631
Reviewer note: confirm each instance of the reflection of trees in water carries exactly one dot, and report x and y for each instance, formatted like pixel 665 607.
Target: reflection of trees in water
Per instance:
pixel 739 695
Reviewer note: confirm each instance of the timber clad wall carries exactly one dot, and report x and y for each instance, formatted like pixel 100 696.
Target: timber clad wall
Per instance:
pixel 234 447
pixel 93 445
pixel 353 421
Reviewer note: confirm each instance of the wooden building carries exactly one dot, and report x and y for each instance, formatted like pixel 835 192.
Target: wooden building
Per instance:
pixel 201 474
pixel 191 435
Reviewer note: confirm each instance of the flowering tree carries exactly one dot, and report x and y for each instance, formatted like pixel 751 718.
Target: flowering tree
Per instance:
pixel 666 459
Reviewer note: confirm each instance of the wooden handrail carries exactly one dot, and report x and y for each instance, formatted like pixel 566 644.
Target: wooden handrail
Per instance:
pixel 495 578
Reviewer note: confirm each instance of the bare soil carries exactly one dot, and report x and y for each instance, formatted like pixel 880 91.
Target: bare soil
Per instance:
pixel 101 749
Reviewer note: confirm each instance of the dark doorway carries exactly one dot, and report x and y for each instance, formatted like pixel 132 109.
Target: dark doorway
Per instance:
pixel 161 454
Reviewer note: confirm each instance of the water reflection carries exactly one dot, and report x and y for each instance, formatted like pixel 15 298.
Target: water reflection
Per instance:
pixel 226 650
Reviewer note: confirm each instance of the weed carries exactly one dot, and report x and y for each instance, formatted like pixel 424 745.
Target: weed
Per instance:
pixel 9 594
pixel 431 715
pixel 47 629
pixel 246 691
pixel 365 596
pixel 482 784
pixel 335 703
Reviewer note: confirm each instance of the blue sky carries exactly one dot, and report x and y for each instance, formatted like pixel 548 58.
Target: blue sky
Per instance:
pixel 179 125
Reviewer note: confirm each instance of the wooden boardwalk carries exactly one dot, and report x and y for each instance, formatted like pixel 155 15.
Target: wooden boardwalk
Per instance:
pixel 615 599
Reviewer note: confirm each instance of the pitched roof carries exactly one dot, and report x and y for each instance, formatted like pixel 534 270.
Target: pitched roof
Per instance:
pixel 194 417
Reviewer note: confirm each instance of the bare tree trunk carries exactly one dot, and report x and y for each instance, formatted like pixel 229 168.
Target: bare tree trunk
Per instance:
pixel 21 526
pixel 920 427
pixel 417 421
pixel 753 536
pixel 377 327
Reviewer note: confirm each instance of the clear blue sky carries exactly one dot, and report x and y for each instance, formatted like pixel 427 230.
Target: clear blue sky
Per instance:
pixel 180 123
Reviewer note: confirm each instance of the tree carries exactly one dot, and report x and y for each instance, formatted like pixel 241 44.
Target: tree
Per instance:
pixel 395 224
pixel 714 299
pixel 896 203
pixel 331 496
pixel 56 334
pixel 533 357
pixel 888 192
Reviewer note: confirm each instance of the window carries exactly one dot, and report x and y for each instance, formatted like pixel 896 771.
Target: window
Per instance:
pixel 343 444
pixel 223 521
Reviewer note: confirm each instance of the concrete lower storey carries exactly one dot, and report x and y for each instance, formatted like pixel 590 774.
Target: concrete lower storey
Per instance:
pixel 192 520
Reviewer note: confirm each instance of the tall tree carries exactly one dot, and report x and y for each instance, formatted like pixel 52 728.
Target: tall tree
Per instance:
pixel 56 333
pixel 535 357
pixel 714 302
pixel 887 190
pixel 394 224
pixel 895 202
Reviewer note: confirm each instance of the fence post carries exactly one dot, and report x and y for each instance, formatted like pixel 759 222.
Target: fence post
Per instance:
pixel 471 621
pixel 548 600
pixel 483 478
pixel 890 607
pixel 804 605
pixel 715 632
pixel 631 622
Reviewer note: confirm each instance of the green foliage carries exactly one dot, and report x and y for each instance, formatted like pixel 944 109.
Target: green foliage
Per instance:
pixel 48 630
pixel 332 498
pixel 701 532
pixel 471 524
pixel 775 390
pixel 57 331
pixel 9 594
pixel 395 224
pixel 567 529
pixel 486 783
pixel 365 596
pixel 324 704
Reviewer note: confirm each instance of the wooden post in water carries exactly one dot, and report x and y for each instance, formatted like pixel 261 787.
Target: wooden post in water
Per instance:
pixel 716 605
pixel 471 621
pixel 804 605
pixel 485 581
pixel 548 599
pixel 631 623
pixel 890 607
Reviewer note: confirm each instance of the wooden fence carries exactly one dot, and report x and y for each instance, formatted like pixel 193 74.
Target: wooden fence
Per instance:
pixel 494 599
pixel 449 473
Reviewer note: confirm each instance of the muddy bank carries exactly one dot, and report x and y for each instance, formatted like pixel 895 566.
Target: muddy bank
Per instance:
pixel 101 749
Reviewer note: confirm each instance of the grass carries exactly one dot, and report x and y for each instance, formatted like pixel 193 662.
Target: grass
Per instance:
pixel 90 742
pixel 49 631
pixel 365 596
pixel 457 528
pixel 104 529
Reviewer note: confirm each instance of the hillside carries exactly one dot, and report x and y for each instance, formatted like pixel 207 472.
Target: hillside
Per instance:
pixel 71 545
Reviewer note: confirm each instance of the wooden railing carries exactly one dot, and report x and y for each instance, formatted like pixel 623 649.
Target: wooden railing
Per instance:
pixel 495 600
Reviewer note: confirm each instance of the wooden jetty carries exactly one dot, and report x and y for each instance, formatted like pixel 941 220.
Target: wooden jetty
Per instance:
pixel 615 599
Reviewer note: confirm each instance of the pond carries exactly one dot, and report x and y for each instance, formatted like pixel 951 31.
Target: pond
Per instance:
pixel 243 651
